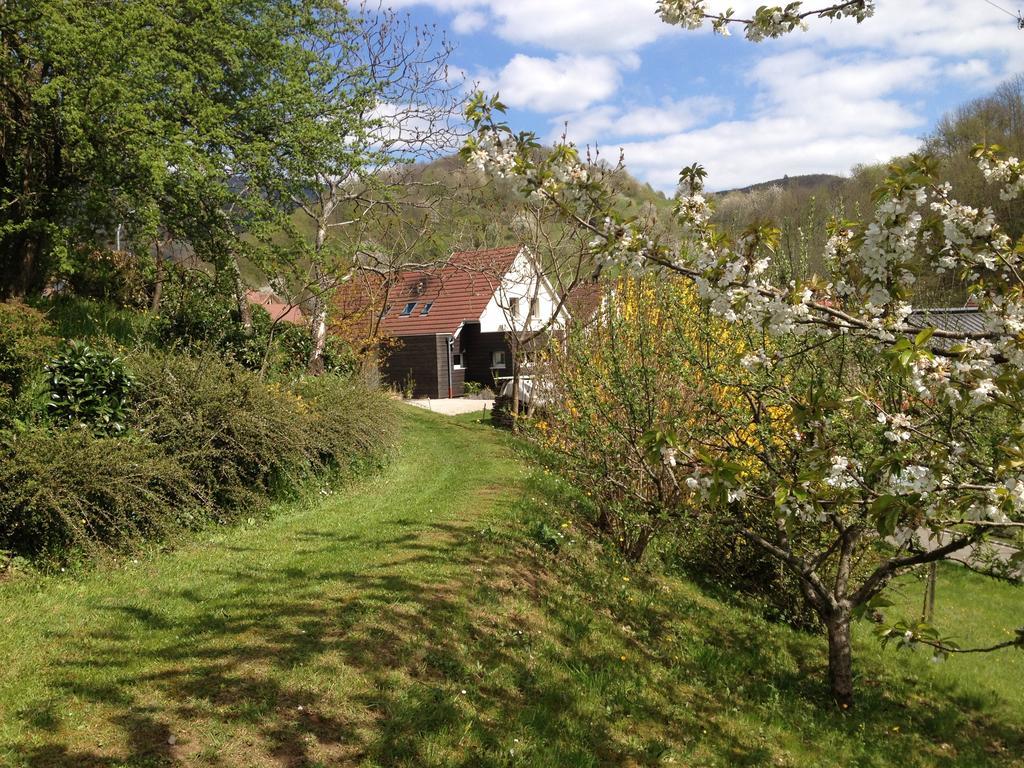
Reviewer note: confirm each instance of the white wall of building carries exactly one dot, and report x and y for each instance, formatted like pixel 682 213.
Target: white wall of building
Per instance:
pixel 520 284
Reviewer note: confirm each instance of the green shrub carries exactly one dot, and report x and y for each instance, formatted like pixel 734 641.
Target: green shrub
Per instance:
pixel 88 387
pixel 350 426
pixel 121 277
pixel 194 313
pixel 208 440
pixel 69 492
pixel 198 314
pixel 718 557
pixel 294 345
pixel 243 439
pixel 239 438
pixel 25 342
pixel 618 386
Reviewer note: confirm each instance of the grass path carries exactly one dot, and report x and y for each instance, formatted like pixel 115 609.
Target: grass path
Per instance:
pixel 235 648
pixel 409 621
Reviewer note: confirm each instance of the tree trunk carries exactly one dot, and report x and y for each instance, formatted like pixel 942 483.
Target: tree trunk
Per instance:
pixel 244 310
pixel 928 611
pixel 515 384
pixel 318 307
pixel 19 275
pixel 840 659
pixel 318 324
pixel 158 285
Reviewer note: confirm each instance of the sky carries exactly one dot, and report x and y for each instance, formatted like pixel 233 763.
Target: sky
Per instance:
pixel 611 74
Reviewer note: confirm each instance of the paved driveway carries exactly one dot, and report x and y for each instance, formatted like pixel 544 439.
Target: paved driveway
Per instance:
pixel 971 555
pixel 453 406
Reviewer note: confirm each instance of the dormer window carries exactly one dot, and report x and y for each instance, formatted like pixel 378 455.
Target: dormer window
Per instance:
pixel 426 308
pixel 407 310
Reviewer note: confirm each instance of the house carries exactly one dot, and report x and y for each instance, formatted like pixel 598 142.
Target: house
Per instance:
pixel 448 325
pixel 279 311
pixel 968 319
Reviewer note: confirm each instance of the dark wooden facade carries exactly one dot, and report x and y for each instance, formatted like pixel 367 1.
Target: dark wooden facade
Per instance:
pixel 478 352
pixel 424 361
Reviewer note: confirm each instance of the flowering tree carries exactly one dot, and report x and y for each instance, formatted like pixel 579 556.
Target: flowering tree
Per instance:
pixel 884 439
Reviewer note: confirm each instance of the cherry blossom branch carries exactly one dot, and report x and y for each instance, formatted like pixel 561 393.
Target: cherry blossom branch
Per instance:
pixel 767 21
pixel 1017 642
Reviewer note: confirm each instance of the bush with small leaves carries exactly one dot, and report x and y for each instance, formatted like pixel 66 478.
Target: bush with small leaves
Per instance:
pixel 243 439
pixel 25 341
pixel 69 493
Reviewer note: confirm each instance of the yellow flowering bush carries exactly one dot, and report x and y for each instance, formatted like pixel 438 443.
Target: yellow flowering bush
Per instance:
pixel 652 363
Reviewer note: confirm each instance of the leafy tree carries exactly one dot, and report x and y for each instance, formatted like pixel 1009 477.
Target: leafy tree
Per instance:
pixel 389 103
pixel 185 120
pixel 996 119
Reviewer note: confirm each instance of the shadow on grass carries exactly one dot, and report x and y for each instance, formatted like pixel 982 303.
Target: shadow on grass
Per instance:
pixel 472 650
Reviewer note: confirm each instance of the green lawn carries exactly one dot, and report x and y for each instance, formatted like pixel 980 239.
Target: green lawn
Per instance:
pixel 975 612
pixel 413 621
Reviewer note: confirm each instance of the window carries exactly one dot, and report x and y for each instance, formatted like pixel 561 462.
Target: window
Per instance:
pixel 534 307
pixel 457 359
pixel 407 310
pixel 498 358
pixel 513 307
pixel 426 308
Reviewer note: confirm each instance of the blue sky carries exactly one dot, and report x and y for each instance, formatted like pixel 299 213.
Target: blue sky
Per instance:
pixel 818 101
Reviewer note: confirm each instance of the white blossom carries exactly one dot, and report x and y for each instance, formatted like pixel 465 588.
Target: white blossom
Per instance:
pixel 898 431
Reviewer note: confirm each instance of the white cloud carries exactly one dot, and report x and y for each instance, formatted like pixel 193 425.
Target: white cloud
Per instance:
pixel 567 26
pixel 580 25
pixel 823 100
pixel 550 85
pixel 669 116
pixel 468 22
pixel 949 28
pixel 970 70
pixel 799 78
pixel 811 115
pixel 748 151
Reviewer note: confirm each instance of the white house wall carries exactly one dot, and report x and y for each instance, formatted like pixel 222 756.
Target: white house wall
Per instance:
pixel 519 283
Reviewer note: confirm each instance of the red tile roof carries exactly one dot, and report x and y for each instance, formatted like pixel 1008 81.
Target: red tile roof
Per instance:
pixel 585 299
pixel 457 291
pixel 276 308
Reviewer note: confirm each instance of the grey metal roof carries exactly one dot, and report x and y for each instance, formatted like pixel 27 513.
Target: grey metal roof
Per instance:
pixel 958 319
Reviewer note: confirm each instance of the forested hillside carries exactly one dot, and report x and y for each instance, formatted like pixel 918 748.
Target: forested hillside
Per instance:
pixel 803 206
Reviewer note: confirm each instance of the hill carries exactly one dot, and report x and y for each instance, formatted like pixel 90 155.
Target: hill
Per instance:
pixel 808 182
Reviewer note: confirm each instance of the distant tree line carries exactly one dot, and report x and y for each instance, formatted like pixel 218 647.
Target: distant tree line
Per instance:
pixel 802 212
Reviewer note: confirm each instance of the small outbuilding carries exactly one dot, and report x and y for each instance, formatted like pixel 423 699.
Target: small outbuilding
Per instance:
pixel 444 326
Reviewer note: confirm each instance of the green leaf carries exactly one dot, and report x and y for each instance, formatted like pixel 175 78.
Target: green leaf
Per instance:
pixel 886 511
pixel 781 494
pixel 923 336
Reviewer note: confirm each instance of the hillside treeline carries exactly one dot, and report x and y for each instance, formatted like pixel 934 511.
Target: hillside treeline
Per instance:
pixel 803 210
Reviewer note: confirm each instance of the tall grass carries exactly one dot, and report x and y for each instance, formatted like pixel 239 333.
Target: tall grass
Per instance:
pixel 91 319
